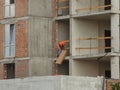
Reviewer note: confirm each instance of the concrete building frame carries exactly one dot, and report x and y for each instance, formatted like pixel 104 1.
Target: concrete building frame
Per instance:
pixel 83 23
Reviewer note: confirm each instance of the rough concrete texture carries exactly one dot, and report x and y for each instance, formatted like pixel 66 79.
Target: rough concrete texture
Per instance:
pixel 40 66
pixel 53 83
pixel 40 46
pixel 40 8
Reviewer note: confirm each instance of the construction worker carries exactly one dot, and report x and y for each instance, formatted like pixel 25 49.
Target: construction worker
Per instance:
pixel 60 47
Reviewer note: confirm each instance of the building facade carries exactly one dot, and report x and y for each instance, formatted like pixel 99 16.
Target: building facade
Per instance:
pixel 92 28
pixel 25 38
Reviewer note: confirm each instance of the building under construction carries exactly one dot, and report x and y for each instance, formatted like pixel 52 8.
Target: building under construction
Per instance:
pixel 30 31
pixel 25 38
pixel 92 29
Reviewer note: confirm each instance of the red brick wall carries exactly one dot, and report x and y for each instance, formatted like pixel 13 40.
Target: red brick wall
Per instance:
pixel 21 39
pixel 1 9
pixel 21 8
pixel 109 83
pixel 1 71
pixel 1 41
pixel 21 69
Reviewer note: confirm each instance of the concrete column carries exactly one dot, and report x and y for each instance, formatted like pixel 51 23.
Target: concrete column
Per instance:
pixel 115 32
pixel 115 74
pixel 115 42
pixel 115 4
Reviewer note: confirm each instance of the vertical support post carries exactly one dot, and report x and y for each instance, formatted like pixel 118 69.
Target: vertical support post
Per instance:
pixel 115 32
pixel 115 42
pixel 115 74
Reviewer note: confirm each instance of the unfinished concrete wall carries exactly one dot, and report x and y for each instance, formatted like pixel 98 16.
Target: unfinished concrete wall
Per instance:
pixel 63 30
pixel 40 46
pixel 40 8
pixel 82 28
pixel 53 83
pixel 90 68
pixel 40 66
pixel 85 68
pixel 40 37
pixel 82 4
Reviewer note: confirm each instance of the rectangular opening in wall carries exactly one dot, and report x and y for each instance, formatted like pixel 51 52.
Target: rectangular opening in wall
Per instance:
pixel 107 41
pixel 107 74
pixel 9 40
pixel 11 1
pixel 107 2
pixel 63 69
pixel 9 8
pixel 63 33
pixel 10 71
pixel 62 7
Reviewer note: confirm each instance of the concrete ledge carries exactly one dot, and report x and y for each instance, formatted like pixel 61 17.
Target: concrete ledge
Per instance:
pixel 92 56
pixel 12 60
pixel 53 83
pixel 62 17
pixel 85 14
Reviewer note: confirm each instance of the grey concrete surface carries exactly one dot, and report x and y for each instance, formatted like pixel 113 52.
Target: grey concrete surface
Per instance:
pixel 40 8
pixel 40 46
pixel 53 83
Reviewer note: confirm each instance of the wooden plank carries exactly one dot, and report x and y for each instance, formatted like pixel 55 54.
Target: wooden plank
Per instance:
pixel 98 7
pixel 65 7
pixel 93 8
pixel 61 57
pixel 98 38
pixel 88 48
pixel 82 9
pixel 62 0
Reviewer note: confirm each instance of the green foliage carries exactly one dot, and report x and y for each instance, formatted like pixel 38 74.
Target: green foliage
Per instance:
pixel 116 86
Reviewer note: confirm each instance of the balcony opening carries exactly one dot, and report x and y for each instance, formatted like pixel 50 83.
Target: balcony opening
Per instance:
pixel 62 7
pixel 107 41
pixel 107 74
pixel 107 2
pixel 63 33
pixel 9 71
pixel 63 69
